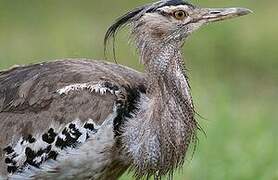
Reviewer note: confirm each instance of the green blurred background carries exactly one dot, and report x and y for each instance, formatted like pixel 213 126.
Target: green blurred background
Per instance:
pixel 233 68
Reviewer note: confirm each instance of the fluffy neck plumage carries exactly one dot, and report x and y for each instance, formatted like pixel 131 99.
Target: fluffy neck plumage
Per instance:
pixel 157 138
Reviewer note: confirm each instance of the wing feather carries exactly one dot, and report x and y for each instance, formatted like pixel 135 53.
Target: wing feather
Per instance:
pixel 34 98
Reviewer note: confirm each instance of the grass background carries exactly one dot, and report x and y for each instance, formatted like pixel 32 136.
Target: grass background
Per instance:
pixel 233 69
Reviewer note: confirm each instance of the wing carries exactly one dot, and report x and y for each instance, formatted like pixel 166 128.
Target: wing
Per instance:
pixel 50 107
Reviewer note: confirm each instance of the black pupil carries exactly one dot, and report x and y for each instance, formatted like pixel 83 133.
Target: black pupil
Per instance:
pixel 180 14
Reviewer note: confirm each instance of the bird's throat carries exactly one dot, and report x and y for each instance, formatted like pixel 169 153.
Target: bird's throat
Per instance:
pixel 158 136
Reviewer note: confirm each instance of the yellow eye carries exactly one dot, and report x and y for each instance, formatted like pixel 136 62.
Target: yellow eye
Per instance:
pixel 180 14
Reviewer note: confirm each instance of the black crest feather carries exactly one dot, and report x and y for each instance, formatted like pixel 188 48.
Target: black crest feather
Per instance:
pixel 119 23
pixel 133 15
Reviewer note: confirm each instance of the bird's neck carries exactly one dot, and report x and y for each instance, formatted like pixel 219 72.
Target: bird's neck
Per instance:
pixel 160 133
pixel 165 71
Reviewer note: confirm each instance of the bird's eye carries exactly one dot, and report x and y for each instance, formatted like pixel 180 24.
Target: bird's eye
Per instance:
pixel 180 14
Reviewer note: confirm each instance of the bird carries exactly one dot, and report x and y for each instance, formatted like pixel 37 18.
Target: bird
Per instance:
pixel 90 119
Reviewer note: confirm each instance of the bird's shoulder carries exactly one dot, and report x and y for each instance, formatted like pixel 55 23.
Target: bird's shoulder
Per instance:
pixel 33 88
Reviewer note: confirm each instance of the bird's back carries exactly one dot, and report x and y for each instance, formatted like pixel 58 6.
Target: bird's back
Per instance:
pixel 59 98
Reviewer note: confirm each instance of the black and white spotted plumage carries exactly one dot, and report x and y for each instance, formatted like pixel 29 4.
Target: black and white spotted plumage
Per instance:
pixel 64 120
pixel 33 151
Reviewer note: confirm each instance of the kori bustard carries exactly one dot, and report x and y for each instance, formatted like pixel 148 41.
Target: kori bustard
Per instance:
pixel 85 119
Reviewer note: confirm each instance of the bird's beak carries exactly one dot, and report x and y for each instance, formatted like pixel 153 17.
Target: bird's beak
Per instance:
pixel 219 14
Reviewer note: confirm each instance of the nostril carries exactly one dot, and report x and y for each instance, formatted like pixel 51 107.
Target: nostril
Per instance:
pixel 215 12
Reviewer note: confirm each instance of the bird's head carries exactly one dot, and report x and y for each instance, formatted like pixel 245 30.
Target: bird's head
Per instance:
pixel 169 21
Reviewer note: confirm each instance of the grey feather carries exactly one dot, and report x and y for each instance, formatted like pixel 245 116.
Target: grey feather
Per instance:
pixel 85 119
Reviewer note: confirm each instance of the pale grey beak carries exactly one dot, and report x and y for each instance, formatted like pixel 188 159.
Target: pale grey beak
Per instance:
pixel 218 14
